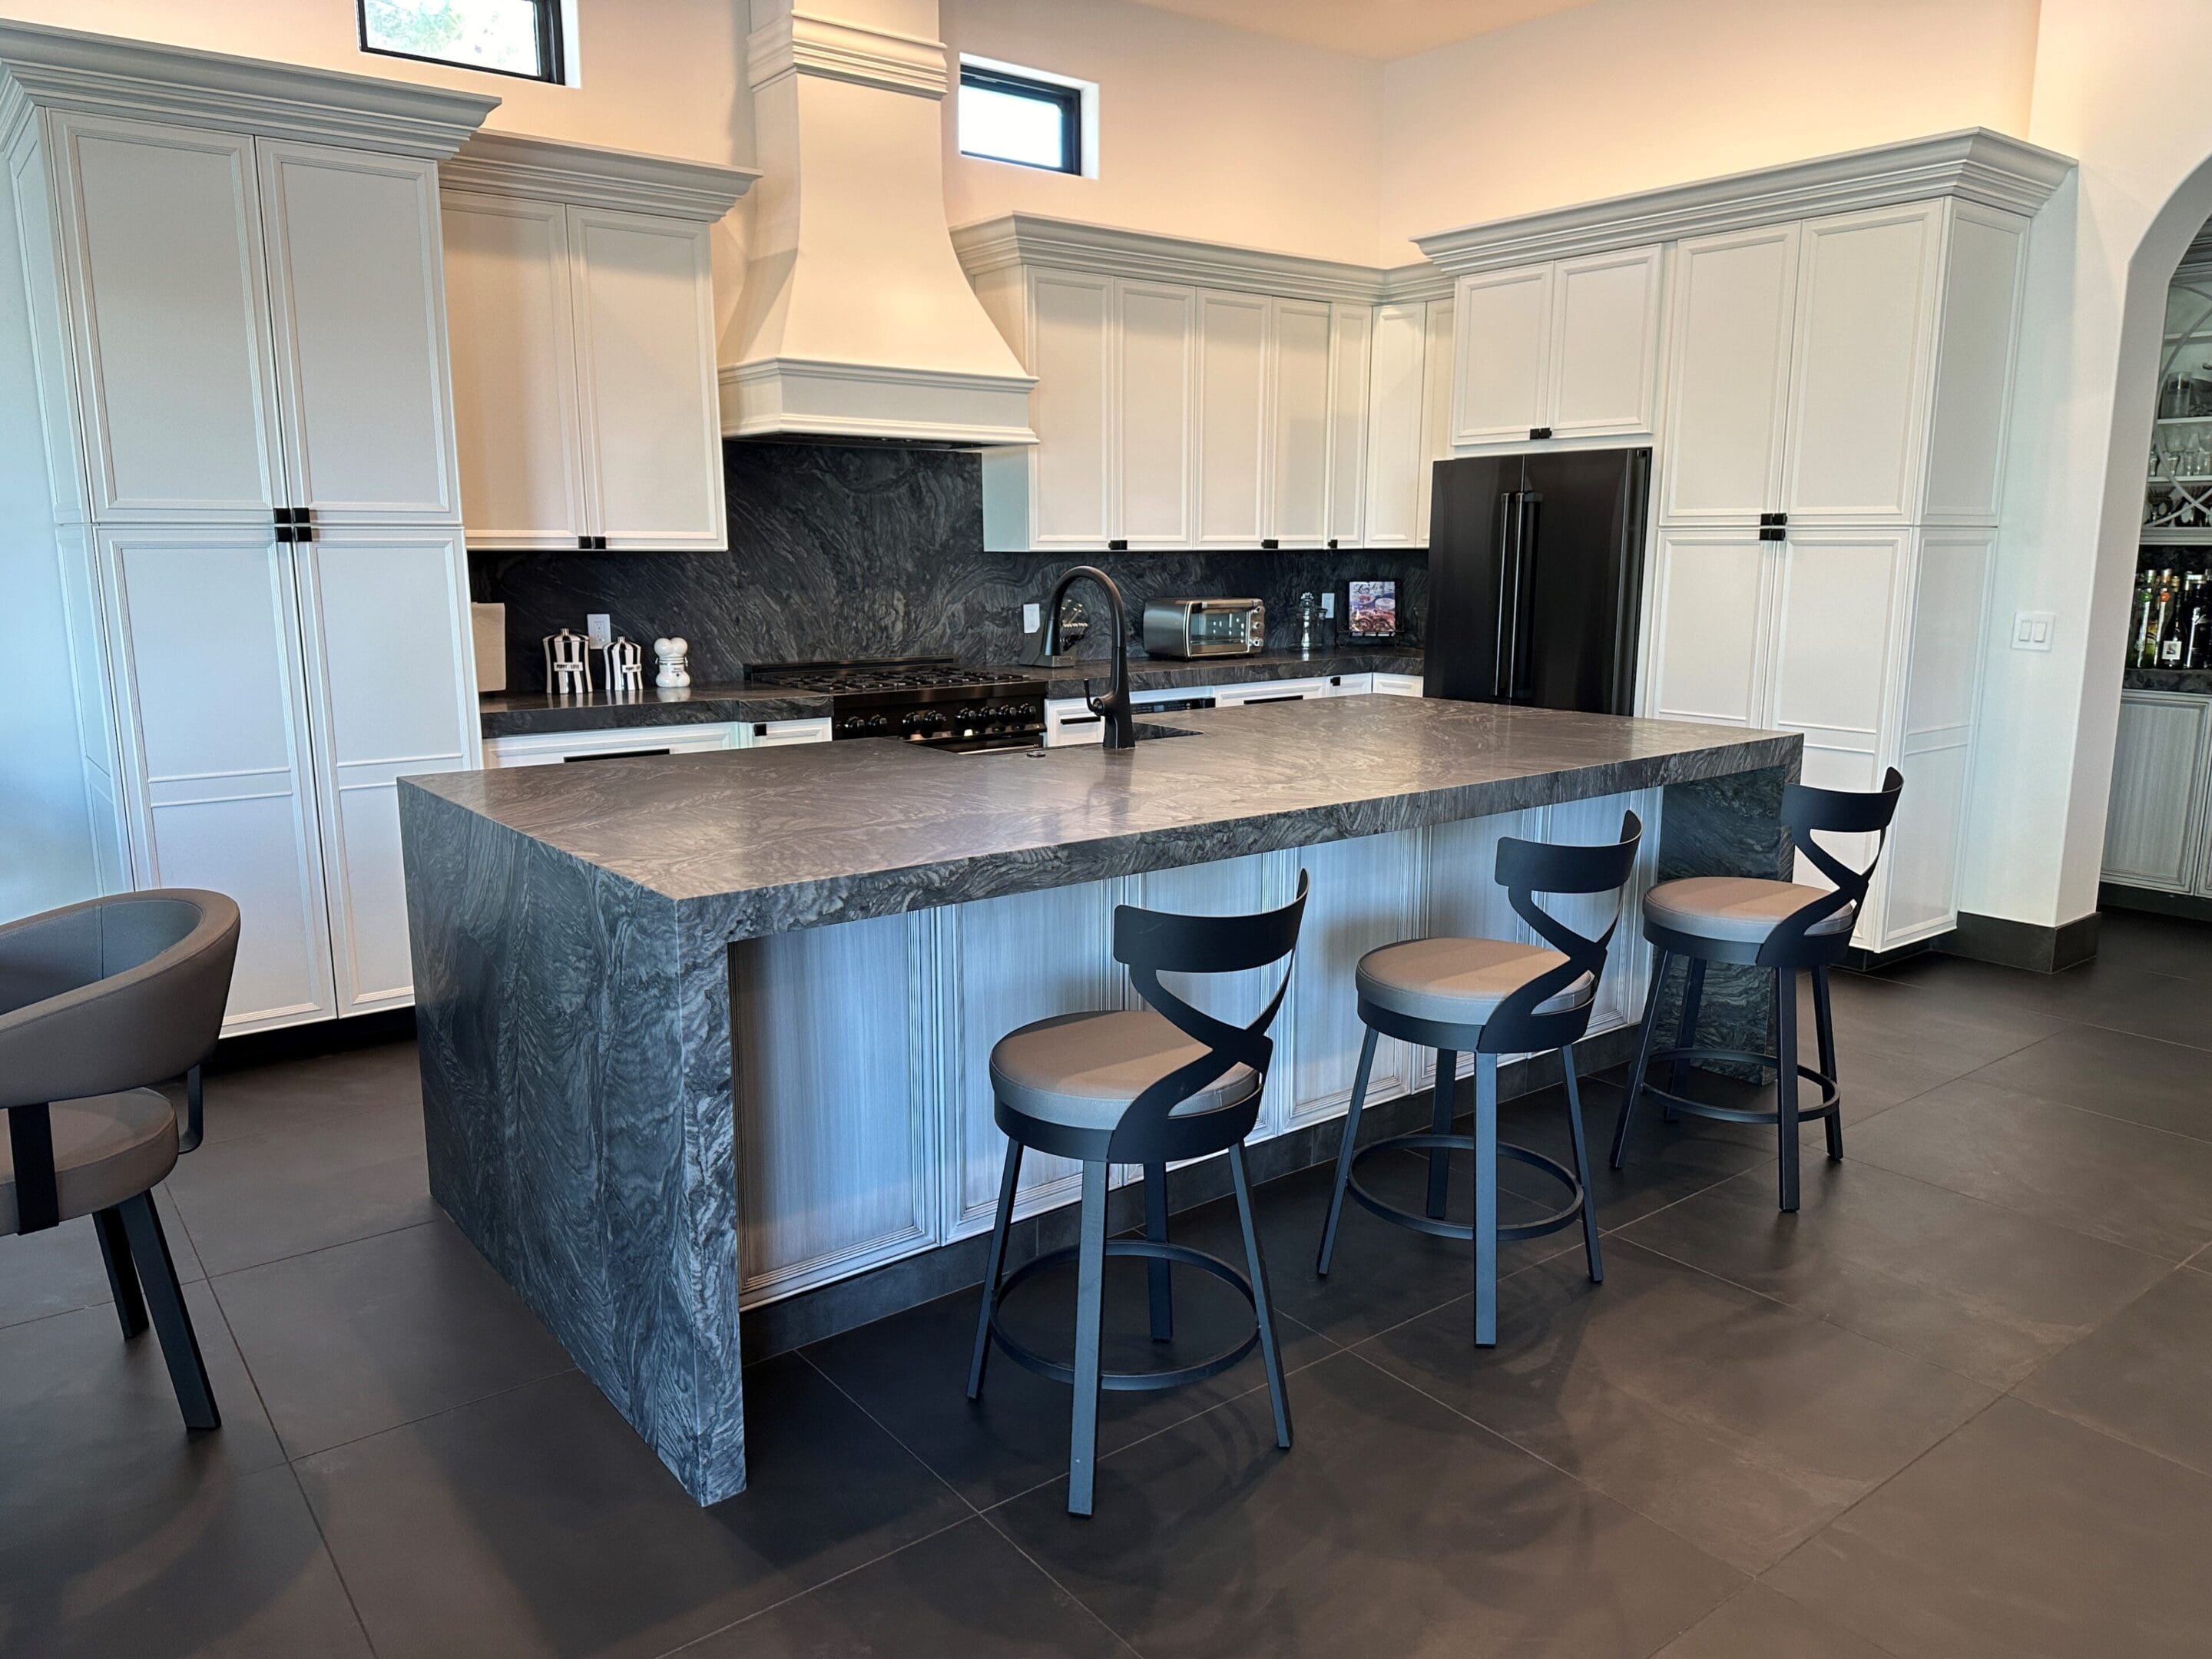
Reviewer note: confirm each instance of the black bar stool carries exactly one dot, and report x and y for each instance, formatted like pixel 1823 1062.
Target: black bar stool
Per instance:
pixel 1492 998
pixel 1784 926
pixel 1146 1087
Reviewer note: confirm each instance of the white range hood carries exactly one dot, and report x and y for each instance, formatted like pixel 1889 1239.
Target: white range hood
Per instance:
pixel 856 320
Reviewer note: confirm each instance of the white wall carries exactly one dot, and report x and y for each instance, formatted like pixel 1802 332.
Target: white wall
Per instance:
pixel 1205 132
pixel 1624 95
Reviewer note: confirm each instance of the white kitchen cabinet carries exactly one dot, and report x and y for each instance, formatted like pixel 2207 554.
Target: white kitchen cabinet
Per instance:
pixel 1154 335
pixel 217 766
pixel 1072 495
pixel 1705 657
pixel 1437 330
pixel 1237 696
pixel 1301 414
pixel 1569 349
pixel 1232 419
pixel 580 299
pixel 1351 336
pixel 1396 685
pixel 1397 411
pixel 779 734
pixel 1730 380
pixel 2154 829
pixel 618 743
pixel 361 590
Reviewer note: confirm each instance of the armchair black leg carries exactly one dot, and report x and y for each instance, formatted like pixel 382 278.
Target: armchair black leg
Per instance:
pixel 150 1251
pixel 122 1276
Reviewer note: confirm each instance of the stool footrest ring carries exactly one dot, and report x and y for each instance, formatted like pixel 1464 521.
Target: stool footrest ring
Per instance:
pixel 1829 1103
pixel 1125 1382
pixel 1565 1216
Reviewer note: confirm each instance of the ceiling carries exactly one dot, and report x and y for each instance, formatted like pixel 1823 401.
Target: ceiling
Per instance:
pixel 1368 29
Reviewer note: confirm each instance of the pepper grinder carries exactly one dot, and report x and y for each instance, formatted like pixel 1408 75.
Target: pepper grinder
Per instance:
pixel 567 663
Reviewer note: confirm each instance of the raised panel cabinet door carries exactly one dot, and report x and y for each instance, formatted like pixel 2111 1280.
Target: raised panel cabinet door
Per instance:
pixel 1985 269
pixel 1351 328
pixel 1722 462
pixel 1155 341
pixel 1437 362
pixel 2154 822
pixel 645 347
pixel 1365 894
pixel 161 231
pixel 358 301
pixel 1862 366
pixel 1605 343
pixel 1397 465
pixel 374 720
pixel 1502 321
pixel 1709 599
pixel 204 636
pixel 1299 412
pixel 1069 314
pixel 1232 334
pixel 512 334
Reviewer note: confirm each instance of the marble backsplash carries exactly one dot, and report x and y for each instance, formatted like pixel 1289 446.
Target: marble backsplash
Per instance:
pixel 841 552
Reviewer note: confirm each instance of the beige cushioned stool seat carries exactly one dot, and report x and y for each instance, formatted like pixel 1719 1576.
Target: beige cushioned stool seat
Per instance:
pixel 106 1148
pixel 1461 982
pixel 1083 1069
pixel 1741 909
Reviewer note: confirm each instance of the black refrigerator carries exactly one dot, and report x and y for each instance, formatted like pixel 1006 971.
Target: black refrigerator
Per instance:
pixel 1536 579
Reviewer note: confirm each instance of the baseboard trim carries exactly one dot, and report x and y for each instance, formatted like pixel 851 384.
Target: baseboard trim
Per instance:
pixel 2024 945
pixel 321 1036
pixel 2153 902
pixel 814 1315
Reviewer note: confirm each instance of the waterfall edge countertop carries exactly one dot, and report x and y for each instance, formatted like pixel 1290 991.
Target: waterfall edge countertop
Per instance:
pixel 518 713
pixel 771 840
pixel 634 1016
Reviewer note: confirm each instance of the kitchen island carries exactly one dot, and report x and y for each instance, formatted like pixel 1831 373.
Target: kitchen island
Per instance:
pixel 700 1032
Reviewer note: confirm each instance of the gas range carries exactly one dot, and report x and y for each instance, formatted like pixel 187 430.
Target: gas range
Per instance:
pixel 923 699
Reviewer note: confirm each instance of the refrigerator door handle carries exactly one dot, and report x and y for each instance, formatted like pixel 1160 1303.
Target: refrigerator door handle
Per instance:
pixel 1524 555
pixel 1509 570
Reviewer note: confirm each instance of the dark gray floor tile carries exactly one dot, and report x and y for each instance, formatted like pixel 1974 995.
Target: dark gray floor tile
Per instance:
pixel 2163 1086
pixel 1740 1425
pixel 262 1197
pixel 2024 1535
pixel 89 1425
pixel 910 1371
pixel 2107 992
pixel 2163 944
pixel 59 1271
pixel 1980 1290
pixel 1666 1161
pixel 1394 1527
pixel 2145 1375
pixel 226 1572
pixel 322 1094
pixel 363 1337
pixel 537 1522
pixel 2142 1188
pixel 963 1593
pixel 1761 1625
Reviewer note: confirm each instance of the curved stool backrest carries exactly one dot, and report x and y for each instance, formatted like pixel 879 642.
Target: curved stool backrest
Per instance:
pixel 1526 868
pixel 1149 942
pixel 1806 810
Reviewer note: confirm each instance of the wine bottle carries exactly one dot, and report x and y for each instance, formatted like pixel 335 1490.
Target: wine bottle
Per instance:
pixel 2139 622
pixel 2175 639
pixel 2200 626
pixel 2164 621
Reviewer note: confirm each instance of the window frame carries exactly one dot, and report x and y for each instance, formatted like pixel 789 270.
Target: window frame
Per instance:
pixel 1067 99
pixel 552 47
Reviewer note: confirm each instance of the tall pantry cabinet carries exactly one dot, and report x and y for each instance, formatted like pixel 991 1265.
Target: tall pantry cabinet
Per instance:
pixel 230 294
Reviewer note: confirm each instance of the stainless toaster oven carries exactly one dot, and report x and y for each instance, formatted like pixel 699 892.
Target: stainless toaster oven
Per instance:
pixel 1205 628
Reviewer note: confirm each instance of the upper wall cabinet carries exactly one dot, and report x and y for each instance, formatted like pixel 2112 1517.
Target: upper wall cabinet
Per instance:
pixel 1187 396
pixel 1566 349
pixel 580 294
pixel 1408 418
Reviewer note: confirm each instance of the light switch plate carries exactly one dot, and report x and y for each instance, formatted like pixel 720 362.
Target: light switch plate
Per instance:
pixel 600 628
pixel 2031 630
pixel 1328 604
pixel 1032 618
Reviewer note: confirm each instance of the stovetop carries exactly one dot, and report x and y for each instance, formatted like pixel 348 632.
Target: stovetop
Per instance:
pixel 895 677
pixel 923 699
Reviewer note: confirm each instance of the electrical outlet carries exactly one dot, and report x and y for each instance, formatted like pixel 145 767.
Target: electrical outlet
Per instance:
pixel 2031 630
pixel 600 628
pixel 1328 604
pixel 1032 618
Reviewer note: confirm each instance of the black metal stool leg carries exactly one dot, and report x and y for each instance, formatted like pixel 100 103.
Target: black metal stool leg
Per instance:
pixel 995 1266
pixel 1642 1059
pixel 1581 1163
pixel 1823 1030
pixel 122 1276
pixel 1693 1004
pixel 1442 1098
pixel 1785 1082
pixel 1157 1285
pixel 1090 1304
pixel 1263 1307
pixel 150 1252
pixel 1343 1153
pixel 1485 1201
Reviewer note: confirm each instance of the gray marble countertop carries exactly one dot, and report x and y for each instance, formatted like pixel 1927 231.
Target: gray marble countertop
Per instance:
pixel 517 714
pixel 2193 682
pixel 757 841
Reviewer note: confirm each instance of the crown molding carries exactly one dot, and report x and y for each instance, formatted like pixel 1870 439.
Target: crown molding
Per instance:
pixel 509 164
pixel 137 79
pixel 778 397
pixel 1029 239
pixel 1974 164
pixel 803 43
